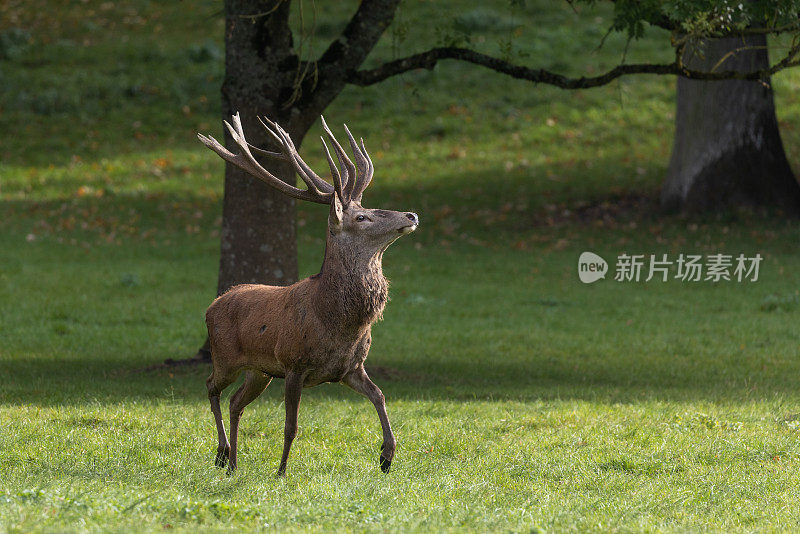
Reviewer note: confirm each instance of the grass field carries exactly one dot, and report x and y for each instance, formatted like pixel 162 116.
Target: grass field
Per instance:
pixel 522 399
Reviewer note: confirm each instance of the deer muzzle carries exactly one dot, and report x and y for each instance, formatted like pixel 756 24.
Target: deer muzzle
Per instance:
pixel 414 219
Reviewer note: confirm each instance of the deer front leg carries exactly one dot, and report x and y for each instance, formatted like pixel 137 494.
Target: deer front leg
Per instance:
pixel 359 381
pixel 294 387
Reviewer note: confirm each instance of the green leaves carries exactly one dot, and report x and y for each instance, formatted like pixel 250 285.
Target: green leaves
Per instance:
pixel 705 18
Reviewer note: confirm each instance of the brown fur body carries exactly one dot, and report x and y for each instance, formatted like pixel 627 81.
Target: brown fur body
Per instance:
pixel 321 324
pixel 314 331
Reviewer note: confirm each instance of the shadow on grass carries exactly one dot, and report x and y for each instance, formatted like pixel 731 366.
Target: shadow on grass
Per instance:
pixel 70 382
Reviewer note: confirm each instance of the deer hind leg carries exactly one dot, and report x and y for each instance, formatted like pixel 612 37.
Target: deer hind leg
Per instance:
pixel 216 383
pixel 360 382
pixel 255 383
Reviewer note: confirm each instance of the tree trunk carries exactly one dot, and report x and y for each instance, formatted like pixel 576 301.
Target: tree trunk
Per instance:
pixel 258 242
pixel 258 237
pixel 727 149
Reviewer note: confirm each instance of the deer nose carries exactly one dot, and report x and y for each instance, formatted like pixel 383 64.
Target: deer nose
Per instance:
pixel 412 217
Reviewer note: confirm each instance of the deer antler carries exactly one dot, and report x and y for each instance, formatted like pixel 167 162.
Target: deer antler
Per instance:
pixel 290 153
pixel 318 189
pixel 365 168
pixel 349 186
pixel 356 177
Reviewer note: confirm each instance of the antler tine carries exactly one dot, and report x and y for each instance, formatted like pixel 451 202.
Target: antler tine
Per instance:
pixel 269 129
pixel 368 176
pixel 348 169
pixel 364 165
pixel 289 153
pixel 274 155
pixel 245 161
pixel 360 163
pixel 337 180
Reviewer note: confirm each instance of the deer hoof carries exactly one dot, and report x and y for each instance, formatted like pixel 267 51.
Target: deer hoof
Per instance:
pixel 231 470
pixel 385 464
pixel 222 456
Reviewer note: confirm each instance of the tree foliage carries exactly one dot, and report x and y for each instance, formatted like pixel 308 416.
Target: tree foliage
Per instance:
pixel 706 18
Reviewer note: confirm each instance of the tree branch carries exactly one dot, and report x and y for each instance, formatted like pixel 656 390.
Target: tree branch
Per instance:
pixel 429 59
pixel 345 54
pixel 359 37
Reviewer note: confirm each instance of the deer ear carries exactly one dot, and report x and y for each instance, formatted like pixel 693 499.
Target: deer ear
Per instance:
pixel 336 215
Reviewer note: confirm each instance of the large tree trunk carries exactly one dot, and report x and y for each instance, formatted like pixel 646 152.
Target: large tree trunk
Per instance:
pixel 727 149
pixel 258 224
pixel 258 238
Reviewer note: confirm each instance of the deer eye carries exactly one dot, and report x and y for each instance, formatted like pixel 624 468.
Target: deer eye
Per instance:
pixel 360 218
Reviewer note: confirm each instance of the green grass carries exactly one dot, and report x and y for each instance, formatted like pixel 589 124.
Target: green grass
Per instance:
pixel 522 399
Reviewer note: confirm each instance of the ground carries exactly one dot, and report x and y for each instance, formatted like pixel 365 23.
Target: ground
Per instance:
pixel 522 399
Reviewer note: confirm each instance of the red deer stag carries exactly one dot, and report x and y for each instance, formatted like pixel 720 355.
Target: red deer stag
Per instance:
pixel 317 330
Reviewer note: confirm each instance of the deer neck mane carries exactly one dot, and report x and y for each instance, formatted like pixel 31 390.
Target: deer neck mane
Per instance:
pixel 352 288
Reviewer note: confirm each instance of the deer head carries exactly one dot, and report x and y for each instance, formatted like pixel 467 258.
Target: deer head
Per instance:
pixel 352 228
